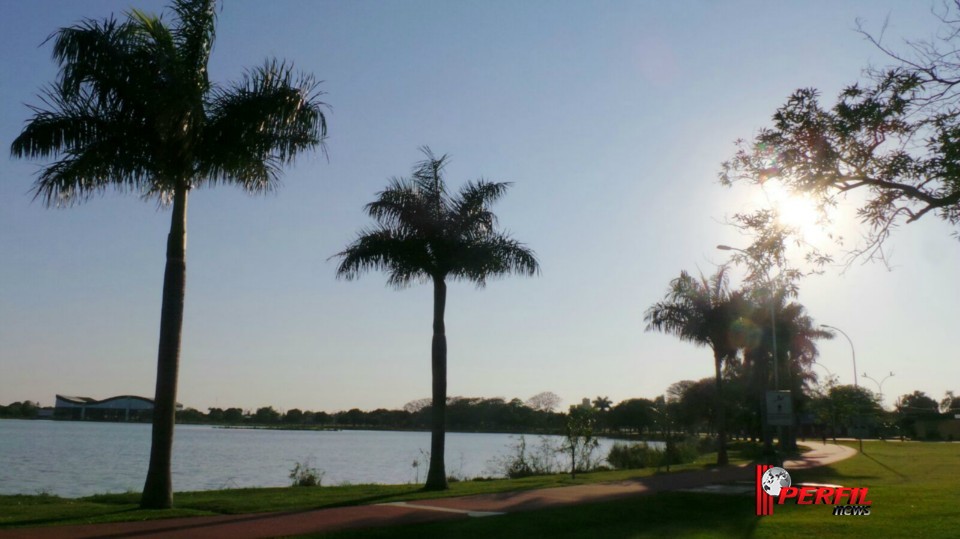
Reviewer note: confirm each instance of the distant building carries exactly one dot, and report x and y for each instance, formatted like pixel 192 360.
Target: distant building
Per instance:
pixel 120 408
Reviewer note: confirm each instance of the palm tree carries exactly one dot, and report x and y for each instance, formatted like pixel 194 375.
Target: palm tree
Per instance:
pixel 602 403
pixel 133 109
pixel 703 311
pixel 424 234
pixel 796 348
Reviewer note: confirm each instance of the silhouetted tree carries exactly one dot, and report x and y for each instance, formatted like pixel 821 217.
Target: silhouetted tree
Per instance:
pixel 425 234
pixel 293 416
pixel 892 137
pixel 702 311
pixel 913 407
pixel 133 108
pixel 950 404
pixel 545 401
pixel 602 403
pixel 848 406
pixel 266 415
pixel 233 415
pixel 633 414
pixel 796 350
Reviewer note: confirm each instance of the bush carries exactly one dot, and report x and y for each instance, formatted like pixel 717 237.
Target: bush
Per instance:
pixel 522 462
pixel 304 475
pixel 707 444
pixel 684 450
pixel 629 456
pixel 679 451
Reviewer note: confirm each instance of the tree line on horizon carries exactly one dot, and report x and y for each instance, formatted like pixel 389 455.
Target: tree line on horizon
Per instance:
pixel 688 406
pixel 133 110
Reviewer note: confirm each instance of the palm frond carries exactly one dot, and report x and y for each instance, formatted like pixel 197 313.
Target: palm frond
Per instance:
pixel 92 52
pixel 472 206
pixel 700 310
pixel 194 35
pixel 427 176
pixel 401 206
pixel 478 259
pixel 405 258
pixel 95 150
pixel 260 124
pixel 677 319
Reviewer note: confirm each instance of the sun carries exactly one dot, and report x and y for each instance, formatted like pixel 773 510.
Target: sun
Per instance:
pixel 796 211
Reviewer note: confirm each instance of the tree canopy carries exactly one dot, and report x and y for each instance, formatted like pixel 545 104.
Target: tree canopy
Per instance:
pixel 893 136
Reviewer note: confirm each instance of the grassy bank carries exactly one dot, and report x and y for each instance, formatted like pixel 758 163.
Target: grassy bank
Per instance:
pixel 44 510
pixel 912 487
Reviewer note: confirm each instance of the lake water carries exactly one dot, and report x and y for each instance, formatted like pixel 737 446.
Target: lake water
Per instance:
pixel 74 459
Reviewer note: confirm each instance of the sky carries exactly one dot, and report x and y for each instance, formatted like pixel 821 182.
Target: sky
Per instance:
pixel 610 118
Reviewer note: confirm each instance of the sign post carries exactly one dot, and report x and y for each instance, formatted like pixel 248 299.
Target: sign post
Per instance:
pixel 779 409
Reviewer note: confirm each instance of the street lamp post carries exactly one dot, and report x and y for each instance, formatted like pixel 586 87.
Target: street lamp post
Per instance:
pixel 879 384
pixel 879 388
pixel 773 328
pixel 824 367
pixel 853 352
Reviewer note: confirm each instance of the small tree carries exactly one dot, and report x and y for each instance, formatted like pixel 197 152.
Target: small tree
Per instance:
pixel 579 440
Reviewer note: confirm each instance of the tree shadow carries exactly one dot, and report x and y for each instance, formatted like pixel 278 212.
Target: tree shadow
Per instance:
pixel 886 467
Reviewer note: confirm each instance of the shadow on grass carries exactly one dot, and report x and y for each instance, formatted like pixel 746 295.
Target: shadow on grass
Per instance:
pixel 64 520
pixel 886 467
pixel 831 475
pixel 673 514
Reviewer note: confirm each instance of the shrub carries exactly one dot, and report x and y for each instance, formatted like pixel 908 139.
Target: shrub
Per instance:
pixel 521 462
pixel 629 456
pixel 684 450
pixel 304 475
pixel 679 451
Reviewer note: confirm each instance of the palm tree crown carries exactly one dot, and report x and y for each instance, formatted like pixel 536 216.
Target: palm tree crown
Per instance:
pixel 134 108
pixel 424 233
pixel 701 311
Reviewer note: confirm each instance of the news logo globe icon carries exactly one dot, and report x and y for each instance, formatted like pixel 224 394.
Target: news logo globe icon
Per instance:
pixel 775 479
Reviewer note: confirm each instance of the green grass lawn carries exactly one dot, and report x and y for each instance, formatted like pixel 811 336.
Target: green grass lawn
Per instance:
pixel 913 487
pixel 44 510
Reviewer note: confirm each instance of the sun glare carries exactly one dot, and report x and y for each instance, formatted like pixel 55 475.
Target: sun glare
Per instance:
pixel 796 211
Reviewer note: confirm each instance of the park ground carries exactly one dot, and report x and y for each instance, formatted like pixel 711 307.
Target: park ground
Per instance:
pixel 912 487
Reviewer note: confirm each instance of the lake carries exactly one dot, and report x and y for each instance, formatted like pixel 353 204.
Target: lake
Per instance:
pixel 73 459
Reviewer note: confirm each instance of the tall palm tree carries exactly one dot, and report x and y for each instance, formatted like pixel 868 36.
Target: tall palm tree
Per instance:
pixel 703 311
pixel 425 234
pixel 133 109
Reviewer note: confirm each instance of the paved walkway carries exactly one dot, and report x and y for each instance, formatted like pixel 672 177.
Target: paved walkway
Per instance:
pixel 326 520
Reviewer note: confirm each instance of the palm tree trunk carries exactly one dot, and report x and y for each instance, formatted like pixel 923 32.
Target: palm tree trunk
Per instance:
pixel 158 489
pixel 437 474
pixel 722 459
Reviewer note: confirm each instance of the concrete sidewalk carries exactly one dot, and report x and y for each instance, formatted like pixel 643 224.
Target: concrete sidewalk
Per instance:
pixel 259 525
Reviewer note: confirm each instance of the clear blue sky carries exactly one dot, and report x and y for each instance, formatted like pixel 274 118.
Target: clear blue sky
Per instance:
pixel 611 118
